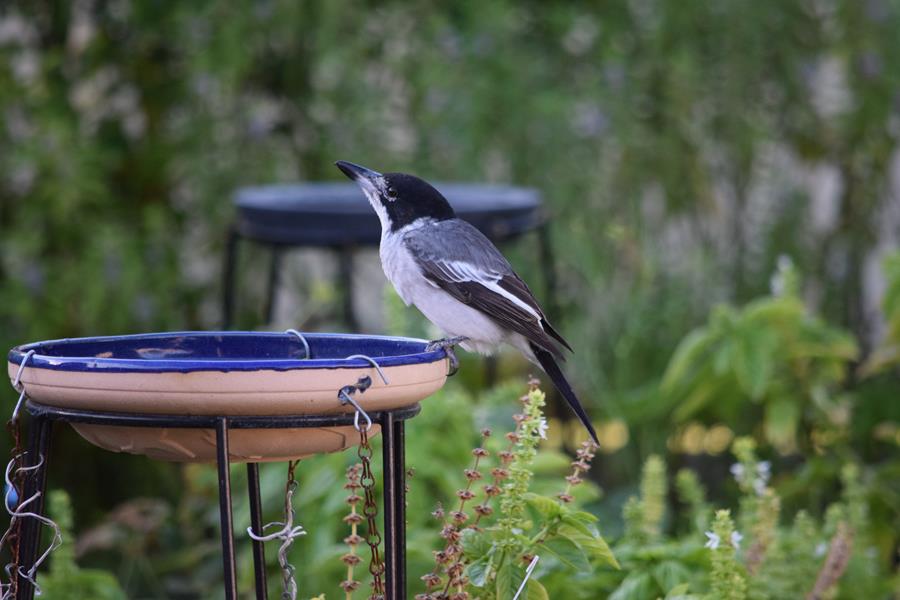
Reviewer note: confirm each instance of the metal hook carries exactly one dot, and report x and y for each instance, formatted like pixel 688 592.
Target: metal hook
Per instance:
pixel 18 380
pixel 528 572
pixel 15 412
pixel 302 339
pixel 374 364
pixel 19 386
pixel 346 398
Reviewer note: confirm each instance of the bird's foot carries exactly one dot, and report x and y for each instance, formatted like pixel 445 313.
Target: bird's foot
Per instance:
pixel 447 344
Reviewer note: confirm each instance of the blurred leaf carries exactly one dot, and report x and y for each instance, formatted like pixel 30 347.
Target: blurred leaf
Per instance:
pixel 594 545
pixel 477 571
pixel 581 521
pixel 536 591
pixel 782 416
pixel 755 359
pixel 670 575
pixel 509 578
pixel 566 551
pixel 725 357
pixel 887 354
pixel 475 544
pixel 687 355
pixel 546 507
pixel 638 585
pixel 704 391
pixel 680 592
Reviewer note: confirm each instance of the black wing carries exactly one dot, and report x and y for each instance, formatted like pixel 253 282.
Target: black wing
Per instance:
pixel 459 259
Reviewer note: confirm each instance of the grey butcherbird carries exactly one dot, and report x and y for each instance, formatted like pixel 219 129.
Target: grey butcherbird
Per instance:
pixel 457 277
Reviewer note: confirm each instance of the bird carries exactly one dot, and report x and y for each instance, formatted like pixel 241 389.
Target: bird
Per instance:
pixel 457 278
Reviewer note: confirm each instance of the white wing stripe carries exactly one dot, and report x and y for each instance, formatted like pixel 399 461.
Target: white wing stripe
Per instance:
pixel 458 271
pixel 512 298
pixel 462 271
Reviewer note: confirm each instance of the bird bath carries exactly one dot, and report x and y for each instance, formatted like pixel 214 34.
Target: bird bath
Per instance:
pixel 230 374
pixel 225 397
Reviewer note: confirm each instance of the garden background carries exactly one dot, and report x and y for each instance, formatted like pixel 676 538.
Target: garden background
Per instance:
pixel 723 183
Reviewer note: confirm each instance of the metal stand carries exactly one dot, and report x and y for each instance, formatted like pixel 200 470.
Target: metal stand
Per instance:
pixel 29 537
pixel 256 522
pixel 394 506
pixel 392 427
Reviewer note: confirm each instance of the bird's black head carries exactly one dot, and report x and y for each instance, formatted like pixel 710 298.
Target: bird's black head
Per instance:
pixel 398 198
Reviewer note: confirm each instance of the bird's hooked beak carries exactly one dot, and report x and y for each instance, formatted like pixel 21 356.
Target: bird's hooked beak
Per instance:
pixel 372 182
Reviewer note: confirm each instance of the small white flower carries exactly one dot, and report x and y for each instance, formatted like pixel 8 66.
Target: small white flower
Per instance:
pixel 542 428
pixel 763 471
pixel 759 486
pixel 737 469
pixel 736 538
pixel 712 540
pixel 820 549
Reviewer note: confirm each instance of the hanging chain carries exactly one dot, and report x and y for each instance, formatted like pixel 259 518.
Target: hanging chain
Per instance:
pixel 287 533
pixel 288 582
pixel 367 479
pixel 370 510
pixel 17 506
pixel 11 539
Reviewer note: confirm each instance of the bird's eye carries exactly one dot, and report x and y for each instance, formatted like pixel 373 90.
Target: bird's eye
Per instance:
pixel 392 193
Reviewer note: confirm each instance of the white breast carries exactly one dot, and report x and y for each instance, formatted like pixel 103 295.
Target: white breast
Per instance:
pixel 399 266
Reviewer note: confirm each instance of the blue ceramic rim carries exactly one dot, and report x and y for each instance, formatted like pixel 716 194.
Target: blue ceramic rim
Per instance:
pixel 128 365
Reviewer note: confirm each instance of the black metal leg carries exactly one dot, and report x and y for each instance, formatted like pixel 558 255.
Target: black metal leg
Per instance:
pixel 227 524
pixel 394 507
pixel 29 542
pixel 228 277
pixel 259 549
pixel 399 443
pixel 272 286
pixel 345 280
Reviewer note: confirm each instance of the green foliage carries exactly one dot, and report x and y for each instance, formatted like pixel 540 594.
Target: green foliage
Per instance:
pixel 772 354
pixel 692 494
pixel 727 579
pixel 762 560
pixel 65 579
pixel 512 502
pixel 887 354
pixel 792 563
pixel 653 495
pixel 494 553
pixel 643 516
pixel 654 564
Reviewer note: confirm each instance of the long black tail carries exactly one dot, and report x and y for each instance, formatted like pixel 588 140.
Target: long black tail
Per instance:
pixel 559 380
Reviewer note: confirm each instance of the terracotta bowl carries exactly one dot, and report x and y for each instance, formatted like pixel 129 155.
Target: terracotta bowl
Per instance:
pixel 227 374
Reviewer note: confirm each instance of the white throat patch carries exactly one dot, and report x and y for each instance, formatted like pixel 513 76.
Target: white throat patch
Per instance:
pixel 373 191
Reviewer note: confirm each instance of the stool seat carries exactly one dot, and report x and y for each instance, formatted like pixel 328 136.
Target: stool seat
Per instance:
pixel 338 215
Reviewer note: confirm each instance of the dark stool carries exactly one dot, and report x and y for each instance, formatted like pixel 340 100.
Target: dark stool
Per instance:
pixel 338 217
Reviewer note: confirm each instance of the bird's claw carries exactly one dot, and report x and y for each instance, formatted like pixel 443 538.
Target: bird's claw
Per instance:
pixel 447 344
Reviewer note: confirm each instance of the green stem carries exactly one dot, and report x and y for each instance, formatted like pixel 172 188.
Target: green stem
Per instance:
pixel 537 538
